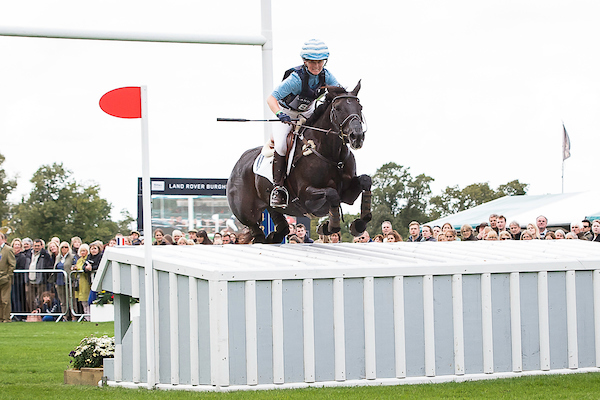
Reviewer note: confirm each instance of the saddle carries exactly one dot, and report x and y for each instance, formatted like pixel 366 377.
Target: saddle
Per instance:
pixel 263 164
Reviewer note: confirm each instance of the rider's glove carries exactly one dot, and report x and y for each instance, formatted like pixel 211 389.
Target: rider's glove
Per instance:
pixel 283 117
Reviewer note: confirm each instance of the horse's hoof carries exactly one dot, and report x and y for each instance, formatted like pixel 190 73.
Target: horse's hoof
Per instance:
pixel 357 227
pixel 322 228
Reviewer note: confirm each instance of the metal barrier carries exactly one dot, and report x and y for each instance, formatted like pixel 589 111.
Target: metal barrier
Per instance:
pixel 28 287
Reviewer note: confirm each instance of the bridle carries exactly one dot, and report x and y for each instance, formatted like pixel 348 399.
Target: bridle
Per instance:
pixel 333 119
pixel 348 119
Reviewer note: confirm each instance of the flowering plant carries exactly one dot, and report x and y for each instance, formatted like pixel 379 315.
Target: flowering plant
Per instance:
pixel 91 350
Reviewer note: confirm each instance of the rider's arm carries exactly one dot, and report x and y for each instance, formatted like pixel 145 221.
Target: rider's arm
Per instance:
pixel 273 104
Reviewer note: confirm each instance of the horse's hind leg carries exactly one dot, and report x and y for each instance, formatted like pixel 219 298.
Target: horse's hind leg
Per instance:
pixel 332 225
pixel 282 228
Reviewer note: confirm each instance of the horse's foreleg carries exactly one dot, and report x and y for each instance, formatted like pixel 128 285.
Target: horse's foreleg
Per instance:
pixel 358 226
pixel 332 225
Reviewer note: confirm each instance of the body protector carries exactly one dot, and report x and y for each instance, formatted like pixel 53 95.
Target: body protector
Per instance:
pixel 302 101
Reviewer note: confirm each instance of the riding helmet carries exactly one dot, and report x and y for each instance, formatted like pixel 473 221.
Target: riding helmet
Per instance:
pixel 314 49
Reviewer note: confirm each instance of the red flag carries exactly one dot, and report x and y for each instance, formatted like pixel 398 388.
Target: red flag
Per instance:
pixel 125 102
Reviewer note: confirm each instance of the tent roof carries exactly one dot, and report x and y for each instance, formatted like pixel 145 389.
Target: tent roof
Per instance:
pixel 559 209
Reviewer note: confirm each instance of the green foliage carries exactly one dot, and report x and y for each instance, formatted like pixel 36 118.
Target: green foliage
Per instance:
pixel 399 197
pixel 6 187
pixel 59 206
pixel 453 199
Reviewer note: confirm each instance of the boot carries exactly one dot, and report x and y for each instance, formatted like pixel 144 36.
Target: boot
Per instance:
pixel 279 194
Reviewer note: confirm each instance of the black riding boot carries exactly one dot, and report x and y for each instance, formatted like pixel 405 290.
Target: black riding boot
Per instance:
pixel 279 195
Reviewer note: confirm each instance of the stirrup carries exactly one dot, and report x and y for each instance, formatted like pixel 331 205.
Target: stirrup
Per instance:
pixel 276 193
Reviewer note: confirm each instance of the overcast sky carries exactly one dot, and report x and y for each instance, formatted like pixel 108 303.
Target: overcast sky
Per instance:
pixel 464 91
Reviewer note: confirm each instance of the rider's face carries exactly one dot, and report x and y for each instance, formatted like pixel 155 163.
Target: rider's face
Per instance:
pixel 314 66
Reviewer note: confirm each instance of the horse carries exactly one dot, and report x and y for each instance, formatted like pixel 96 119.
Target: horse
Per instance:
pixel 323 173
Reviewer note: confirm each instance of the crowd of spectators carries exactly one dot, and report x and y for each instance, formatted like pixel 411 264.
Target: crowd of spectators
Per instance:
pixel 42 288
pixel 495 229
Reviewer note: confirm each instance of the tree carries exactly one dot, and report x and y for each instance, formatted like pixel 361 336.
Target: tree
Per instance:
pixel 453 199
pixel 399 197
pixel 6 187
pixel 59 206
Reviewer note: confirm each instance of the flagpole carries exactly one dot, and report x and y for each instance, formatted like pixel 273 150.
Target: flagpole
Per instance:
pixel 563 176
pixel 147 226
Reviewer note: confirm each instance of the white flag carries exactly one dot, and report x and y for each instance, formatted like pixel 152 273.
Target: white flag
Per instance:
pixel 566 144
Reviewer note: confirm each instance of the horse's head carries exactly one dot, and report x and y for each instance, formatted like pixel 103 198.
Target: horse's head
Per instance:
pixel 346 116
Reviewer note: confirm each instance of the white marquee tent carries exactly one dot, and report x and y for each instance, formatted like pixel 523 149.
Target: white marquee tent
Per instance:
pixel 559 209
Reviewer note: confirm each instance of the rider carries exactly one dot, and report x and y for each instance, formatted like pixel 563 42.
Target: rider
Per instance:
pixel 293 97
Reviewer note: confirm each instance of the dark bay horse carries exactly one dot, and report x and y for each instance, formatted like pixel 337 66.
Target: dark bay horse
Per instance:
pixel 319 180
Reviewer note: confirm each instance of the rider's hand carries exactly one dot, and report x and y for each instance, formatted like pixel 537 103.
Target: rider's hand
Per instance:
pixel 283 117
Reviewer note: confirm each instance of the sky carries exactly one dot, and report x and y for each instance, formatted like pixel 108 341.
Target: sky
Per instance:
pixel 464 91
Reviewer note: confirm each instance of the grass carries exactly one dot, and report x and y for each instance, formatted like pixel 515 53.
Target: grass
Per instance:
pixel 33 357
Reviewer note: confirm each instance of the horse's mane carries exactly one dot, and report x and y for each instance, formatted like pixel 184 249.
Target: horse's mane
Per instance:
pixel 332 93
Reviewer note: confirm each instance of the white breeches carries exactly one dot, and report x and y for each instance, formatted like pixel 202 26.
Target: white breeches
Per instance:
pixel 281 130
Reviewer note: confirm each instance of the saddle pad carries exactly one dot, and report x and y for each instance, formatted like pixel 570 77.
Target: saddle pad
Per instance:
pixel 263 164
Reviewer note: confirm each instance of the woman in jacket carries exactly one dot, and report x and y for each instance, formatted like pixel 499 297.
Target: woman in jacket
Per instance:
pixel 64 262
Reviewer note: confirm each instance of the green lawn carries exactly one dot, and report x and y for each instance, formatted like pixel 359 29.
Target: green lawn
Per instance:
pixel 33 357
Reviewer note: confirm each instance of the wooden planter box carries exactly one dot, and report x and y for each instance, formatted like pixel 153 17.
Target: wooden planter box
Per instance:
pixel 84 376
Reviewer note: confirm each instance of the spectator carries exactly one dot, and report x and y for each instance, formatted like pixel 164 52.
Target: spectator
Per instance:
pixel 292 228
pixel 378 238
pixel 394 236
pixel 577 229
pixel 159 237
pixel 49 306
pixel 225 238
pixel 427 233
pixel 182 241
pixel 40 259
pixel 8 262
pixel 177 234
pixel 533 231
pixel 493 222
pixel 450 232
pixel 53 251
pixel 63 262
pixel 596 231
pixel 82 280
pixel 436 231
pixel 481 230
pixel 492 235
pixel 571 235
pixel 504 235
pixel 301 233
pixel 467 233
pixel 501 223
pixel 550 236
pixel 75 243
pixel 168 239
pixel 441 237
pixel 515 230
pixel 526 235
pixel 587 229
pixel 217 238
pixel 135 238
pixel 335 237
pixel 323 239
pixel 560 234
pixel 233 237
pixel 203 238
pixel 386 228
pixel 18 285
pixel 541 222
pixel 414 230
pixel 364 237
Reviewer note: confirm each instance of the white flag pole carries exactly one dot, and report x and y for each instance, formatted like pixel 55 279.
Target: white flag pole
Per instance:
pixel 147 226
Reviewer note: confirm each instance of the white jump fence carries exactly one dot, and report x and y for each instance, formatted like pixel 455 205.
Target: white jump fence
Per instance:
pixel 241 317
